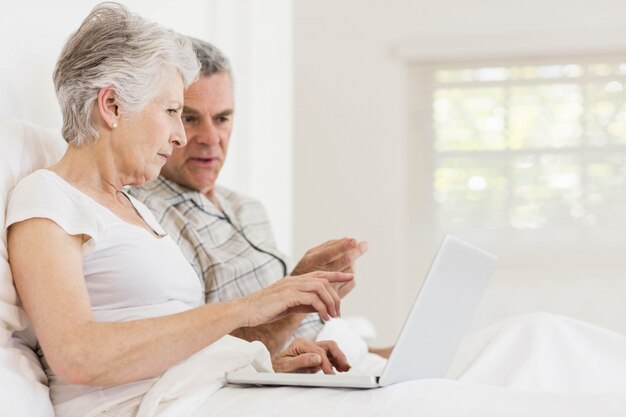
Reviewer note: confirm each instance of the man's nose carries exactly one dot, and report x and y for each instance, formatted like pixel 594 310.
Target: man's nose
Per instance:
pixel 207 134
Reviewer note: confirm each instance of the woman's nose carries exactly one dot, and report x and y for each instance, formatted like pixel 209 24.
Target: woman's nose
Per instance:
pixel 179 138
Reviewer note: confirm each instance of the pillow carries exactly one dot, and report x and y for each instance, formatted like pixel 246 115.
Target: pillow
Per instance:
pixel 24 148
pixel 23 393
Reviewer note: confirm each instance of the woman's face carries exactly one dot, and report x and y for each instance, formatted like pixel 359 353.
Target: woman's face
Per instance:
pixel 143 141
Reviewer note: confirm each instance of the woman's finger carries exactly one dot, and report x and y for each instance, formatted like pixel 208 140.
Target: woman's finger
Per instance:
pixel 331 276
pixel 319 306
pixel 326 294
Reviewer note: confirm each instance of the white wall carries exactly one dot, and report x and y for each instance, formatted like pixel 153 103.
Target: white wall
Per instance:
pixel 251 34
pixel 353 130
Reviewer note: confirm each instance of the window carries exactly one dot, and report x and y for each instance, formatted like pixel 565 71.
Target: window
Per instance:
pixel 532 149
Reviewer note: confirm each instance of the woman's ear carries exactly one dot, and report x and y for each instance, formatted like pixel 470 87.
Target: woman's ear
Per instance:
pixel 107 107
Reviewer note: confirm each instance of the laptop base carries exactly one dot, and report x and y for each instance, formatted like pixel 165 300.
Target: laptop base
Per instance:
pixel 247 377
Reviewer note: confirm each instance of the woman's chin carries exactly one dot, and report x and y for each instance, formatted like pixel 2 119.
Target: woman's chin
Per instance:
pixel 148 176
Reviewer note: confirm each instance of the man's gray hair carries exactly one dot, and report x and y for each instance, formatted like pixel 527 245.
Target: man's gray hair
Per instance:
pixel 119 49
pixel 212 60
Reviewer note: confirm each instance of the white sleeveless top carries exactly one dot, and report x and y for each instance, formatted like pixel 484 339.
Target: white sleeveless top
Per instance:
pixel 129 272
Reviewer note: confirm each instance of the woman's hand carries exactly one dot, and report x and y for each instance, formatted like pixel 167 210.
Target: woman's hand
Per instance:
pixel 304 356
pixel 308 293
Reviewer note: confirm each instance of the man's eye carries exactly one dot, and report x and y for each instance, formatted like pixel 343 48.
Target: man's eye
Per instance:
pixel 188 119
pixel 223 119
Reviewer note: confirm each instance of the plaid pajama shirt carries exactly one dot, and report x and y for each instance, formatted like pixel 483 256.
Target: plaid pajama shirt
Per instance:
pixel 233 251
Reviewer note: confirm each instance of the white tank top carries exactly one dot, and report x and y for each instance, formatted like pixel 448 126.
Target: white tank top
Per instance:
pixel 130 273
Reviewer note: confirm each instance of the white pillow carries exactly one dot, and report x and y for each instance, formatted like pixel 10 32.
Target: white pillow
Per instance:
pixel 24 392
pixel 24 148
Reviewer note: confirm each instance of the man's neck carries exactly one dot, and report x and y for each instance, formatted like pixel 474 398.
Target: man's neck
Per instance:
pixel 213 198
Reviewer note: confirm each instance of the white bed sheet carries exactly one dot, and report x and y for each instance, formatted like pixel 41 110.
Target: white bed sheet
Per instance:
pixel 431 398
pixel 537 365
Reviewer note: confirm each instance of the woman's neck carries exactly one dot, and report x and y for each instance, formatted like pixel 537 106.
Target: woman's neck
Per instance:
pixel 90 169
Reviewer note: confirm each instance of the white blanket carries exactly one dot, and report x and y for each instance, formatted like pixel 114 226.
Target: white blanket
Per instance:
pixel 546 353
pixel 183 387
pixel 540 365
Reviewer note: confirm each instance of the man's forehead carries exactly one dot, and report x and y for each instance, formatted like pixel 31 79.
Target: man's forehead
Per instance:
pixel 208 92
pixel 217 82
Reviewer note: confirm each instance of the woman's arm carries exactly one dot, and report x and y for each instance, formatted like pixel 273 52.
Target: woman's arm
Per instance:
pixel 334 255
pixel 273 335
pixel 47 269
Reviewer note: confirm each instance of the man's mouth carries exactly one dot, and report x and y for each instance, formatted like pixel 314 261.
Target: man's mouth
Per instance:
pixel 203 161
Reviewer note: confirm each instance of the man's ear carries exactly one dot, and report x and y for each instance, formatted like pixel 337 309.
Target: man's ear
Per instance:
pixel 107 107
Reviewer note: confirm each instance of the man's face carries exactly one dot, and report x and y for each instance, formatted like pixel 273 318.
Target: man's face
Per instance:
pixel 208 120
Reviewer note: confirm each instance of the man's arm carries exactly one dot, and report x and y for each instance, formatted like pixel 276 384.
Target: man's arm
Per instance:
pixel 384 352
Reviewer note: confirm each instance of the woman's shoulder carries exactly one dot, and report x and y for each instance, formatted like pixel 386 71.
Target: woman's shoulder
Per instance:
pixel 44 194
pixel 38 178
pixel 44 187
pixel 37 185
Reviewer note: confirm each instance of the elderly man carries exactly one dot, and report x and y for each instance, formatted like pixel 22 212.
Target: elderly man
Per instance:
pixel 226 236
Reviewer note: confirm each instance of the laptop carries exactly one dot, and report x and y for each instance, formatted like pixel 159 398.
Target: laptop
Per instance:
pixel 432 332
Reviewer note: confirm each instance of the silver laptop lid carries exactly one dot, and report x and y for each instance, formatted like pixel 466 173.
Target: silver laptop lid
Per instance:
pixel 441 314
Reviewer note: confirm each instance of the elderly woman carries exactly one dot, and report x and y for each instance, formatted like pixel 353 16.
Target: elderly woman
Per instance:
pixel 112 299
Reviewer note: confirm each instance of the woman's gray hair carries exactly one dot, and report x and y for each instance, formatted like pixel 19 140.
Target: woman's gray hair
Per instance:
pixel 119 49
pixel 212 60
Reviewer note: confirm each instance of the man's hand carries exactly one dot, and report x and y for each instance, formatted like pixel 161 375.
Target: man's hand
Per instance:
pixel 335 256
pixel 304 356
